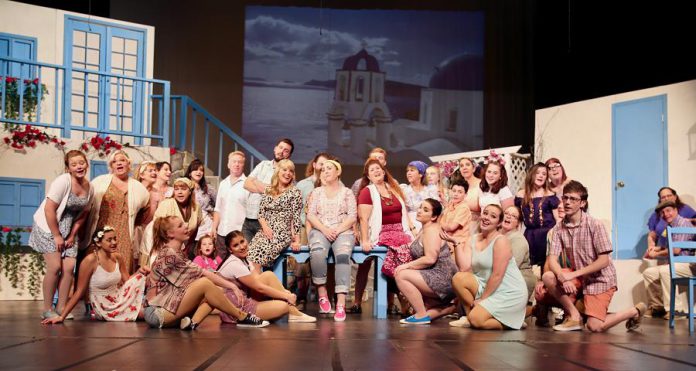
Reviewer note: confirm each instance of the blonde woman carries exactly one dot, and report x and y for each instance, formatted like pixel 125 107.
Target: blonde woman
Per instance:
pixel 435 181
pixel 279 216
pixel 182 204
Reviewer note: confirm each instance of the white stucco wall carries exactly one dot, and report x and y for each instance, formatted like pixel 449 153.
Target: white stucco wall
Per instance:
pixel 47 26
pixel 580 135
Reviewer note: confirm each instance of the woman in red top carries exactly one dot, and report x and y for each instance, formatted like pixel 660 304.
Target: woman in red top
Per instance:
pixel 383 221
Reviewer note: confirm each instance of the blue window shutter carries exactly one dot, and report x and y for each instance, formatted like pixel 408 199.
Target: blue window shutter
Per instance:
pixel 19 199
pixel 30 197
pixel 8 200
pixel 4 47
pixel 19 47
pixel 97 168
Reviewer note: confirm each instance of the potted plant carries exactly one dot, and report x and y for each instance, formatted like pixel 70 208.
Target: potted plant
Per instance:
pixel 30 90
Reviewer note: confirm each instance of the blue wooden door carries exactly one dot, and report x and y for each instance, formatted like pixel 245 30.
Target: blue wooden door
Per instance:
pixel 107 103
pixel 639 168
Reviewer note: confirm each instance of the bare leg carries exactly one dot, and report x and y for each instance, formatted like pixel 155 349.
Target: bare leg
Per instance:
pixel 555 289
pixel 438 311
pixel 271 280
pixel 414 287
pixel 203 311
pixel 50 281
pixel 613 319
pixel 480 318
pixel 65 283
pixel 465 286
pixel 200 290
pixel 272 309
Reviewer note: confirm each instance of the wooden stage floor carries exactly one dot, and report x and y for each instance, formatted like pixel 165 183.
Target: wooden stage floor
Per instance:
pixel 360 343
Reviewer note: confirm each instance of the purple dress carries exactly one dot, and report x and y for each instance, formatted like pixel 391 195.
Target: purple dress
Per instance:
pixel 538 218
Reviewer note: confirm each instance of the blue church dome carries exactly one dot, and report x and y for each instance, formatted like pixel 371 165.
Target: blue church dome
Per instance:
pixel 461 72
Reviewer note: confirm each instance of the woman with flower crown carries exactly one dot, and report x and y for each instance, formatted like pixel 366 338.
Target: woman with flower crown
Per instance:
pixel 494 188
pixel 115 296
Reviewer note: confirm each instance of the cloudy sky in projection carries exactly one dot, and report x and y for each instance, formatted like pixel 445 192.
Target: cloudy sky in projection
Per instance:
pixel 301 44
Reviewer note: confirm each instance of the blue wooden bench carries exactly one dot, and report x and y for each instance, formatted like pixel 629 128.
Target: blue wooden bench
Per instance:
pixel 379 307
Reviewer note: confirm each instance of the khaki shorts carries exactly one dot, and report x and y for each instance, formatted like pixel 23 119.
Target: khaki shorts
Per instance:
pixel 597 305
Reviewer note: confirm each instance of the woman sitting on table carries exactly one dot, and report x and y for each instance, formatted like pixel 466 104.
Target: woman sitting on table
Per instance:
pixel 332 213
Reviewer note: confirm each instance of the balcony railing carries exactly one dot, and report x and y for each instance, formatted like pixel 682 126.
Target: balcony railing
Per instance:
pixel 132 109
pixel 196 130
pixel 87 101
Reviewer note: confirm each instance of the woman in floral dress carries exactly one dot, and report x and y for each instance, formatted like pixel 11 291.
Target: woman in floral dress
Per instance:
pixel 118 199
pixel 115 296
pixel 57 222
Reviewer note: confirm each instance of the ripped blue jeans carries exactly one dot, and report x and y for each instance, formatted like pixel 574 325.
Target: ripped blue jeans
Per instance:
pixel 342 247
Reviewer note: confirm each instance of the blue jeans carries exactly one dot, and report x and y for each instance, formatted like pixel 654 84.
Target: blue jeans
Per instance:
pixel 342 247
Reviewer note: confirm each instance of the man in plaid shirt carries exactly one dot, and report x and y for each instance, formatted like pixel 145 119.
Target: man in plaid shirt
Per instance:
pixel 586 243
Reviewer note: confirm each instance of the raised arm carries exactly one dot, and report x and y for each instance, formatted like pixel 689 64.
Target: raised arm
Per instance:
pixel 462 255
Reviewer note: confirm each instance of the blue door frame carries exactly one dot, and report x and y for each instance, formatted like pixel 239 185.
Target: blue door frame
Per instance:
pixel 639 169
pixel 106 31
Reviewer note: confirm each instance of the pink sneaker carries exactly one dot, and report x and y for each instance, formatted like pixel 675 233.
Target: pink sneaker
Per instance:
pixel 340 315
pixel 324 305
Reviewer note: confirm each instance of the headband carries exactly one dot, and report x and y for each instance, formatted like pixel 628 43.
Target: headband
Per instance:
pixel 336 164
pixel 144 165
pixel 188 182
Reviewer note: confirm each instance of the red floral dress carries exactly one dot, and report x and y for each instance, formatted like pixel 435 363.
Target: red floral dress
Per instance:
pixel 114 303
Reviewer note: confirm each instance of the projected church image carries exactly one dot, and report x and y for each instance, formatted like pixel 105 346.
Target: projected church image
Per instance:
pixel 450 118
pixel 371 78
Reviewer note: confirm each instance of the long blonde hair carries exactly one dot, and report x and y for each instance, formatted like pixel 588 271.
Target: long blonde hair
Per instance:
pixel 274 190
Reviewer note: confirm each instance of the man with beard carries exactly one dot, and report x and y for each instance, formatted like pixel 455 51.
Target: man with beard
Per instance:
pixel 256 184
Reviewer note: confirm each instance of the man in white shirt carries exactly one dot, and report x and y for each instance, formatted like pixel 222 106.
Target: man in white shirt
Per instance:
pixel 231 202
pixel 256 184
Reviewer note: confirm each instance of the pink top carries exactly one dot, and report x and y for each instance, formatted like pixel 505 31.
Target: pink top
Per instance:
pixel 207 263
pixel 332 211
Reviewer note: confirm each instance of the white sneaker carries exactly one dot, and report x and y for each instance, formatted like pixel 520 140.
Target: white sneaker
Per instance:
pixel 185 323
pixel 461 322
pixel 303 318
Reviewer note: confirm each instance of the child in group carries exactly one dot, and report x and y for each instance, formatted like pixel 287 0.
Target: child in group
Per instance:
pixel 206 254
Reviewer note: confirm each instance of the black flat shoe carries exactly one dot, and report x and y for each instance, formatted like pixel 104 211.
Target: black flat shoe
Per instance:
pixel 355 309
